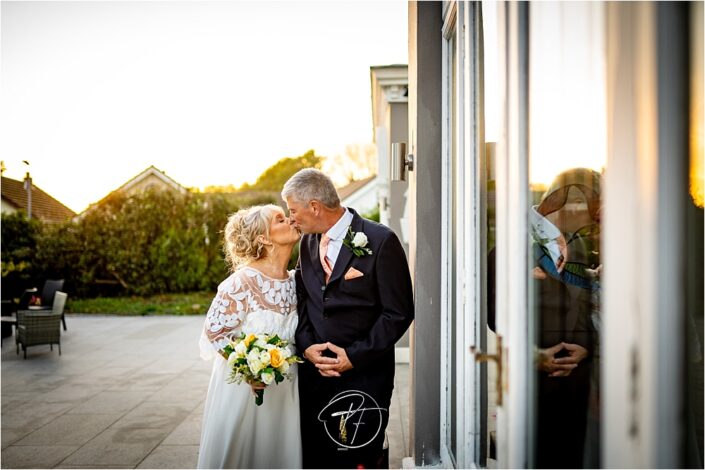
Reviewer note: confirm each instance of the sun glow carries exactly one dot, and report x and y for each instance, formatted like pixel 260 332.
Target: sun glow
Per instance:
pixel 697 163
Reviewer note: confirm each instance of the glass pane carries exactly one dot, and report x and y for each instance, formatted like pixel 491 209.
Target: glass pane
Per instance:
pixel 454 265
pixel 567 151
pixel 694 261
pixel 491 113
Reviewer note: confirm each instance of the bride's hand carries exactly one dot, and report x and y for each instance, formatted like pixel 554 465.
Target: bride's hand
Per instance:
pixel 257 386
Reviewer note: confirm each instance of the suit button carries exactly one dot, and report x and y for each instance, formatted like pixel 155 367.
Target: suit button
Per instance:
pixel 326 299
pixel 323 288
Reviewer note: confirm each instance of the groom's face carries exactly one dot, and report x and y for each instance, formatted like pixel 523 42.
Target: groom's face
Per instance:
pixel 302 216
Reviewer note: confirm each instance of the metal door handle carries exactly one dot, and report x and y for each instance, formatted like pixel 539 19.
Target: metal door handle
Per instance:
pixel 497 359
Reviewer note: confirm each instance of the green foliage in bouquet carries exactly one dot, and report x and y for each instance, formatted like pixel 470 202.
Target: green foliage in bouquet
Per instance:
pixel 259 360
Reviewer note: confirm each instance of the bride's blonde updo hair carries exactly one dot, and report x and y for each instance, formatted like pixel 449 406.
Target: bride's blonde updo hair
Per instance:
pixel 242 234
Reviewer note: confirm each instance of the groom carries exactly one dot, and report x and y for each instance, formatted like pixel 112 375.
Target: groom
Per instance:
pixel 354 301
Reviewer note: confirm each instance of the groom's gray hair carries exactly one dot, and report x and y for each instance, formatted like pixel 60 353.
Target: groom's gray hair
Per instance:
pixel 309 184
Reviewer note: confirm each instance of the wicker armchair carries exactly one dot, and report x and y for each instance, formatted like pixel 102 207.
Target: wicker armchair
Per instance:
pixel 51 287
pixel 40 327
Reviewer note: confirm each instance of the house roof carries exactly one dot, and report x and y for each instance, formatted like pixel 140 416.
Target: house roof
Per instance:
pixel 135 180
pixel 350 189
pixel 152 170
pixel 44 207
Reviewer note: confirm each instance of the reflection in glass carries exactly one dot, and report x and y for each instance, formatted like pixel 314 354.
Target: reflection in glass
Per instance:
pixel 491 124
pixel 566 271
pixel 568 134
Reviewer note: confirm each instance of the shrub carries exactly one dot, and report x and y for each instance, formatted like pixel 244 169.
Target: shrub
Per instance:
pixel 19 250
pixel 150 243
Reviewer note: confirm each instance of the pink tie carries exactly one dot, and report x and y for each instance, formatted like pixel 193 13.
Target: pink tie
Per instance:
pixel 322 251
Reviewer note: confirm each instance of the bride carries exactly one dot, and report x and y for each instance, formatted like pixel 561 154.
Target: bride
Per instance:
pixel 258 297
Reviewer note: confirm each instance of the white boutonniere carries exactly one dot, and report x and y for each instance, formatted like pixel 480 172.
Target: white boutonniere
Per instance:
pixel 357 243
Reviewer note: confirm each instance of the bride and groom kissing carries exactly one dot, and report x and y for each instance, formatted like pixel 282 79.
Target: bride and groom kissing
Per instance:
pixel 346 304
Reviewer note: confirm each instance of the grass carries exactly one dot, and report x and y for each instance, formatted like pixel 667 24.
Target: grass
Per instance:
pixel 195 303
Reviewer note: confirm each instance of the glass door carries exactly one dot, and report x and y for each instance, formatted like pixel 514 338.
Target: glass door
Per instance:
pixel 567 158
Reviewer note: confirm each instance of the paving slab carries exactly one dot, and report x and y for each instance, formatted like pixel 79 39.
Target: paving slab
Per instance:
pixel 118 446
pixel 110 402
pixel 187 433
pixel 171 457
pixel 67 430
pixel 35 456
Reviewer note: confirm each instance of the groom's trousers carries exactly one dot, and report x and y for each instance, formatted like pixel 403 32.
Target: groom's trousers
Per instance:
pixel 343 420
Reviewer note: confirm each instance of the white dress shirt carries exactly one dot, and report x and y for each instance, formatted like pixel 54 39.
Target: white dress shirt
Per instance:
pixel 336 234
pixel 545 233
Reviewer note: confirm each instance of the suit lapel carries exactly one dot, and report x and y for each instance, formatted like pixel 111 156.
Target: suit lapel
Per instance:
pixel 345 254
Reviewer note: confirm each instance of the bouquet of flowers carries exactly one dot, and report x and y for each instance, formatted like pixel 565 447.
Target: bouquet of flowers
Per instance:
pixel 259 359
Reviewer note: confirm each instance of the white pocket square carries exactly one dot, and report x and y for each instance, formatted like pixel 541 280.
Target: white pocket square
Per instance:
pixel 352 274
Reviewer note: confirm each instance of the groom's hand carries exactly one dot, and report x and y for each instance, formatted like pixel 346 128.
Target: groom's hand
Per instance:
pixel 334 370
pixel 314 353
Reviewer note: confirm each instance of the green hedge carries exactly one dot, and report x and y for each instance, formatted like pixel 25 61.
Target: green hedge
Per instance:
pixel 150 243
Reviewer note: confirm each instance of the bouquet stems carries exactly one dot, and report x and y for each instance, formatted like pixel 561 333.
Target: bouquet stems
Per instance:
pixel 259 397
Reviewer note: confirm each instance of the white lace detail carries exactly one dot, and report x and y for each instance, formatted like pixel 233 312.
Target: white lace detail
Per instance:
pixel 240 298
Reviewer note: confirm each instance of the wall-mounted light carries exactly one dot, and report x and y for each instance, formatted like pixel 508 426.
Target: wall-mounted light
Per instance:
pixel 400 161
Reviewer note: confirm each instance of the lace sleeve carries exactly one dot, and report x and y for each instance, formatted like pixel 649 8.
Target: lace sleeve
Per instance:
pixel 225 315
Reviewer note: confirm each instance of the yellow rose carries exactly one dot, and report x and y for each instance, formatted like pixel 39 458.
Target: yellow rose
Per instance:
pixel 276 358
pixel 249 339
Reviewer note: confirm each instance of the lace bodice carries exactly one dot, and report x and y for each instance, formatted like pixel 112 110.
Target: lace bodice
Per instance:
pixel 249 301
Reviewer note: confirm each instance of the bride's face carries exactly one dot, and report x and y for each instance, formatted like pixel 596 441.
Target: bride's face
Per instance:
pixel 281 231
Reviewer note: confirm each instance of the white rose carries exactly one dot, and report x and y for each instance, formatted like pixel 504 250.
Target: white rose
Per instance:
pixel 265 357
pixel 255 366
pixel 269 347
pixel 284 368
pixel 267 377
pixel 232 358
pixel 260 343
pixel 359 240
pixel 241 349
pixel 253 362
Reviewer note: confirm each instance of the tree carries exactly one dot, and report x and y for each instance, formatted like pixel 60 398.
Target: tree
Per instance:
pixel 19 248
pixel 274 177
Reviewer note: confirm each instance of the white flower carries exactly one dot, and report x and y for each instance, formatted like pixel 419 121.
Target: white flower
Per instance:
pixel 255 365
pixel 238 378
pixel 241 349
pixel 284 368
pixel 360 240
pixel 269 347
pixel 267 378
pixel 260 343
pixel 253 362
pixel 265 358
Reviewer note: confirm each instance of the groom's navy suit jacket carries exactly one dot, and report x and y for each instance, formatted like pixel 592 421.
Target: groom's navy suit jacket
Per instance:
pixel 366 316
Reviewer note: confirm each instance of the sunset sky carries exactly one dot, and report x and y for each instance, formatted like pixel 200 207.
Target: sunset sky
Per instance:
pixel 212 93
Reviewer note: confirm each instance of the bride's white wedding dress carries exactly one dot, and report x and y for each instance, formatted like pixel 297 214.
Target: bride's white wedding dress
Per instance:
pixel 236 432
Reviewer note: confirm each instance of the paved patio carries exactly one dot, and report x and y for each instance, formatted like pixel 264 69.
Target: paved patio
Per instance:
pixel 127 392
